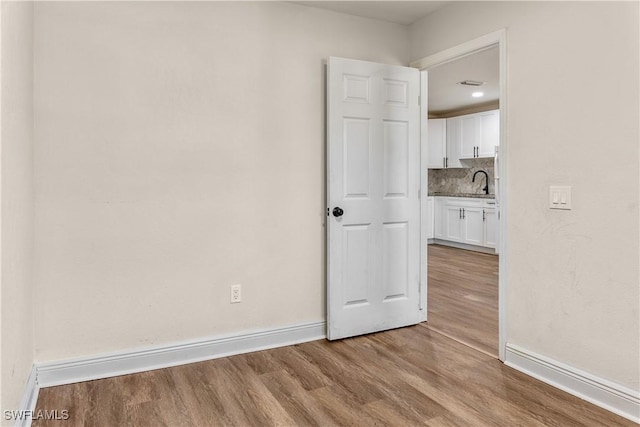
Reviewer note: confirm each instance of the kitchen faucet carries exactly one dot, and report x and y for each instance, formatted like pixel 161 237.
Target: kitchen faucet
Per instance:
pixel 486 181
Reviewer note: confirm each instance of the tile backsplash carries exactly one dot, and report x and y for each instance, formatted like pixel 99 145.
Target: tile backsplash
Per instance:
pixel 458 180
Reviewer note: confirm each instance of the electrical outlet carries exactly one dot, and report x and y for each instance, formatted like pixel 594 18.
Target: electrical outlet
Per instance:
pixel 236 294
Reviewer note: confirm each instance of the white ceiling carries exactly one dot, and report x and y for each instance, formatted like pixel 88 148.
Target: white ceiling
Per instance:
pixel 400 12
pixel 445 94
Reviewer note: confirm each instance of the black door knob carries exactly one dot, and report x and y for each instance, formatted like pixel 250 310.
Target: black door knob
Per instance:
pixel 337 212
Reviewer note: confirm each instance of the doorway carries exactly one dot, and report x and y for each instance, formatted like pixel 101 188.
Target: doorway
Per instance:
pixel 465 209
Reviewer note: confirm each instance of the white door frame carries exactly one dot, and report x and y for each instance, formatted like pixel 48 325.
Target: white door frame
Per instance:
pixel 497 38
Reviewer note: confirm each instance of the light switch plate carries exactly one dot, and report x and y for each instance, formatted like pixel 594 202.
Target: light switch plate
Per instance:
pixel 560 197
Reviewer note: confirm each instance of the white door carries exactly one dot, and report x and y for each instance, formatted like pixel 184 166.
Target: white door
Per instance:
pixel 373 178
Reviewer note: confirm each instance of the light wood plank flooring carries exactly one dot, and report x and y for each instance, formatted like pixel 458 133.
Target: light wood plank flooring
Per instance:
pixel 404 377
pixel 463 296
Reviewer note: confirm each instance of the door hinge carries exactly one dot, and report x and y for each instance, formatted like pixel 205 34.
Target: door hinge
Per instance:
pixel 419 100
pixel 418 193
pixel 420 306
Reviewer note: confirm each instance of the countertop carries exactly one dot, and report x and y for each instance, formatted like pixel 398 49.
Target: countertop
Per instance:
pixel 476 196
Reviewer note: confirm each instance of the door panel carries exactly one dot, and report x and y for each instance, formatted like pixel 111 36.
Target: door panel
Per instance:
pixel 396 159
pixel 356 157
pixel 395 260
pixel 373 175
pixel 356 272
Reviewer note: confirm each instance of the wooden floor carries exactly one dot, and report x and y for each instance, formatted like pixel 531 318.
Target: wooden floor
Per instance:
pixel 463 296
pixel 405 377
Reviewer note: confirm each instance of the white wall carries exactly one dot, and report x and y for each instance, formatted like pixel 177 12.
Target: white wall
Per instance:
pixel 180 149
pixel 573 117
pixel 17 201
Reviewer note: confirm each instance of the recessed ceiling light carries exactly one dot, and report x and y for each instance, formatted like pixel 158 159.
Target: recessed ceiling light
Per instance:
pixel 477 94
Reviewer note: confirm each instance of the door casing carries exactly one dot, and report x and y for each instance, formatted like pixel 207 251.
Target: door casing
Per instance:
pixel 497 38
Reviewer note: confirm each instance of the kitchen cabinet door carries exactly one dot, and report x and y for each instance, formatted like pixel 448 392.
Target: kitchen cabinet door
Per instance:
pixel 473 226
pixel 474 135
pixel 489 133
pixel 490 228
pixel 453 132
pixel 453 223
pixel 436 143
pixel 467 138
pixel 431 217
pixel 439 218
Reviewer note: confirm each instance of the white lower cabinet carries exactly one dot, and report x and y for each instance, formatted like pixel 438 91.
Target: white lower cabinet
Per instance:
pixel 473 226
pixel 431 220
pixel 438 216
pixel 491 228
pixel 453 223
pixel 466 220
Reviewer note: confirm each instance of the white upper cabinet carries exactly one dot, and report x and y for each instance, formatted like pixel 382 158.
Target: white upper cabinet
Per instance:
pixel 468 136
pixel 476 135
pixel 489 133
pixel 452 151
pixel 436 143
pixel 441 149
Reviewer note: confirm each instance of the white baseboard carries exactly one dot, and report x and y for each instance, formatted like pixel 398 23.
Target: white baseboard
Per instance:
pixel 458 245
pixel 29 399
pixel 606 394
pixel 139 360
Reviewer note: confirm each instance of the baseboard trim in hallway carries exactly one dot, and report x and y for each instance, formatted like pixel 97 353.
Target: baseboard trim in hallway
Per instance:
pixel 23 416
pixel 606 394
pixel 137 360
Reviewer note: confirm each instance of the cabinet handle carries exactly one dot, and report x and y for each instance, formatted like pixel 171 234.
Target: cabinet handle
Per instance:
pixel 446 162
pixel 483 215
pixel 464 214
pixel 460 213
